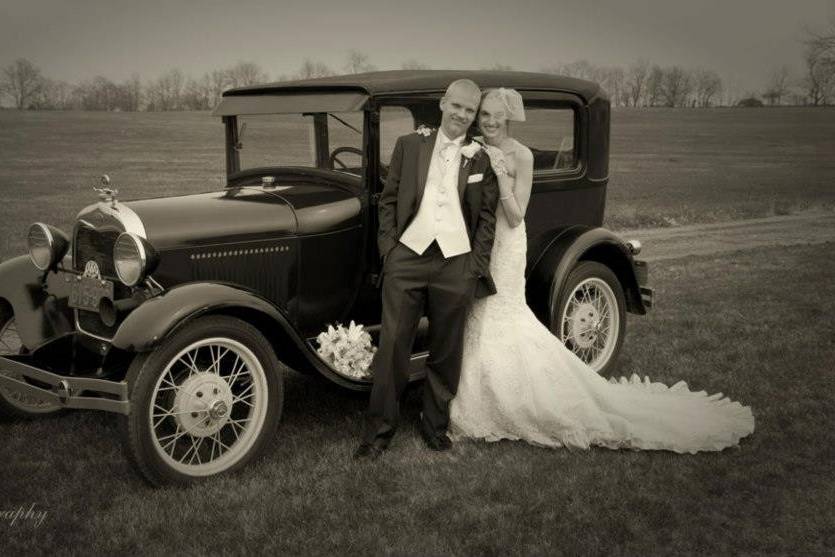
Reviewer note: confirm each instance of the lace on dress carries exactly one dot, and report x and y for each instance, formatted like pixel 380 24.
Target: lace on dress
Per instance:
pixel 518 381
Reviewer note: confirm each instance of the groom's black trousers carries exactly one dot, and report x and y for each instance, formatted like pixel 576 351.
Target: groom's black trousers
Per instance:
pixel 412 283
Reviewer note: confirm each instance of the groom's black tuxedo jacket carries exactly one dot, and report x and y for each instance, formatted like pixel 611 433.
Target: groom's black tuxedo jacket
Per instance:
pixel 403 192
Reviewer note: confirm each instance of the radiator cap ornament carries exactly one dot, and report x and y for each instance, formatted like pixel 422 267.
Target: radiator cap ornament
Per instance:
pixel 107 194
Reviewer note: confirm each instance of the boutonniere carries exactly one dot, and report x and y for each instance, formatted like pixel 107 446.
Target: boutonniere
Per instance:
pixel 469 151
pixel 423 130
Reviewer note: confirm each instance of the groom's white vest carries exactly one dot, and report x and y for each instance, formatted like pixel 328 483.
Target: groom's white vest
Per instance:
pixel 439 216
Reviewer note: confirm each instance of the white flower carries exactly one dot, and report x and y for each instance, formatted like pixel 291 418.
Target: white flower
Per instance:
pixel 348 351
pixel 469 151
pixel 423 130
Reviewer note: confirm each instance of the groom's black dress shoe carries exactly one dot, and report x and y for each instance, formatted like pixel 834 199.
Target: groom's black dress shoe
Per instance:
pixel 440 442
pixel 367 451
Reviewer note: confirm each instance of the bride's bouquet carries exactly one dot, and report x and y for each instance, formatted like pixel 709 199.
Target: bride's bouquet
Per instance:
pixel 347 351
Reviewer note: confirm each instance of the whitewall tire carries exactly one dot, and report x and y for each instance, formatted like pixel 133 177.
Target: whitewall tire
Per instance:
pixel 205 402
pixel 590 317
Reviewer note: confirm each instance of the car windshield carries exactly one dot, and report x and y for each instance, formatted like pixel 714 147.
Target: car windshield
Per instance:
pixel 291 140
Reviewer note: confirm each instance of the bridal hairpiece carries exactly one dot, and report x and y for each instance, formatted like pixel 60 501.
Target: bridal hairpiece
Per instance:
pixel 512 100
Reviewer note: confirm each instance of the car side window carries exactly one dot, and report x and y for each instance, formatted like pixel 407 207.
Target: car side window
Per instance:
pixel 394 122
pixel 549 133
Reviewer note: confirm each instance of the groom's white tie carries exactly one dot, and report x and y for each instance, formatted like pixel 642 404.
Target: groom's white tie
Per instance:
pixel 448 151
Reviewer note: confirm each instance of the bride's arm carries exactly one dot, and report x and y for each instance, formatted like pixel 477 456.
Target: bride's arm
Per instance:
pixel 515 192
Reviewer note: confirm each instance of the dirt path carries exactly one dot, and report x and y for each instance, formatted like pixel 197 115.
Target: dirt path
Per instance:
pixel 707 239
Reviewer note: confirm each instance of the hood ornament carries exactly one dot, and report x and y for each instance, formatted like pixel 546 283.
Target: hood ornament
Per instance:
pixel 107 194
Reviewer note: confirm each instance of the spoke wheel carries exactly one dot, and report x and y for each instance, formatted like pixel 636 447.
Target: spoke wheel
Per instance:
pixel 591 316
pixel 203 403
pixel 12 404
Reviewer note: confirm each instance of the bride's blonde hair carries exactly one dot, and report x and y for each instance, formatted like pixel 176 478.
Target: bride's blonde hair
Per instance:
pixel 512 101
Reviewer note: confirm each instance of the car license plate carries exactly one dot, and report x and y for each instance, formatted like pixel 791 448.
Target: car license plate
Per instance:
pixel 88 292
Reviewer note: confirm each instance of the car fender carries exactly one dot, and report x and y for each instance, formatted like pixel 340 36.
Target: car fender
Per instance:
pixel 549 269
pixel 159 317
pixel 38 300
pixel 162 316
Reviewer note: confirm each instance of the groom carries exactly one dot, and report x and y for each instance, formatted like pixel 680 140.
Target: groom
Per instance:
pixel 437 220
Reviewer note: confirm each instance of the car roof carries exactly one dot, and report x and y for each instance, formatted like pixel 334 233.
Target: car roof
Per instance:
pixel 416 81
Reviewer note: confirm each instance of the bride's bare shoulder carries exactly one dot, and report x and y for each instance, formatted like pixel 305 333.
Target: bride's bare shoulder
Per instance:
pixel 522 152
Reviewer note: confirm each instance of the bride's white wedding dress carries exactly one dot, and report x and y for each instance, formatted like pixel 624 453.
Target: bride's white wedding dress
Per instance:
pixel 518 381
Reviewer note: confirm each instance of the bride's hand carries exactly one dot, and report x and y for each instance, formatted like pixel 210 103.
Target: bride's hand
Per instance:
pixel 497 160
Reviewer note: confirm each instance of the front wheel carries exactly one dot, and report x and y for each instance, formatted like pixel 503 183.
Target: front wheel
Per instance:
pixel 14 405
pixel 590 316
pixel 205 402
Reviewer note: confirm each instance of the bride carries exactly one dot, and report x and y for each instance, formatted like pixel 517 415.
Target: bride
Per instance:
pixel 518 381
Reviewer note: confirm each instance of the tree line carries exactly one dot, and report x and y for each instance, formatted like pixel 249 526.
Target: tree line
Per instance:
pixel 646 84
pixel 24 85
pixel 640 84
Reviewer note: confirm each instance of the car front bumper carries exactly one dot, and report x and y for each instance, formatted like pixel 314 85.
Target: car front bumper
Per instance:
pixel 16 376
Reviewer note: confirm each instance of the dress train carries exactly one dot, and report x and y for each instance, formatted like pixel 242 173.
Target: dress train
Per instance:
pixel 518 381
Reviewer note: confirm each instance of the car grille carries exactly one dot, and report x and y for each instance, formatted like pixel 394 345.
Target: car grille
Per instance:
pixel 96 245
pixel 91 244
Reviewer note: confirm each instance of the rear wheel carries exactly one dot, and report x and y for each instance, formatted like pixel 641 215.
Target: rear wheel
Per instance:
pixel 590 317
pixel 14 405
pixel 206 402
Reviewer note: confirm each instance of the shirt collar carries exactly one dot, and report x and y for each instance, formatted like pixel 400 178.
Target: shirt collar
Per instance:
pixel 442 138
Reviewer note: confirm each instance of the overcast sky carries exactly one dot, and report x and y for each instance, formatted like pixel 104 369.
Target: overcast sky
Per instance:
pixel 75 40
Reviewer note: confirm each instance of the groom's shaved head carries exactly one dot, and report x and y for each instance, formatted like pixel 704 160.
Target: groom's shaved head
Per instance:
pixel 458 107
pixel 464 87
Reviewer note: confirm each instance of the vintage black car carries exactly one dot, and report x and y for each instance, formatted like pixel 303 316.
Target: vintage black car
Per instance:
pixel 179 314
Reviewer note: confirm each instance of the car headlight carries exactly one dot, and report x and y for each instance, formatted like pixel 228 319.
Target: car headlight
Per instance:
pixel 47 245
pixel 634 246
pixel 133 257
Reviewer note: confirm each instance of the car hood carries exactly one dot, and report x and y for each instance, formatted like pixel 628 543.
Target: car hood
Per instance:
pixel 239 214
pixel 243 214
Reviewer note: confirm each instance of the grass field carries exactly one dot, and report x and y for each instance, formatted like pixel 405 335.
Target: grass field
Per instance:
pixel 668 166
pixel 755 325
pixel 678 166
